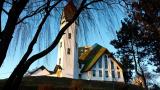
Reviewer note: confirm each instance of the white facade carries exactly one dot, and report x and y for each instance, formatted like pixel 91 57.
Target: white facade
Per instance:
pixel 106 69
pixel 41 73
pixel 67 48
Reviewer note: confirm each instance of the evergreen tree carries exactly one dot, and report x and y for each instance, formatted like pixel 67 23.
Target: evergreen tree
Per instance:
pixel 128 43
pixel 155 87
pixel 147 14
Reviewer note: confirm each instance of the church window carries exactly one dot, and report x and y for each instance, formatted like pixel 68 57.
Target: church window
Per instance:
pixel 100 63
pixel 106 74
pixel 69 35
pixel 113 74
pixel 112 65
pixel 100 73
pixel 106 63
pixel 60 44
pixel 118 74
pixel 68 50
pixel 94 73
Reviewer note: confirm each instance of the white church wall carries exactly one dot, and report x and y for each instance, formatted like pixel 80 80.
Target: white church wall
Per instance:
pixel 102 73
pixel 68 53
pixel 117 69
pixel 40 73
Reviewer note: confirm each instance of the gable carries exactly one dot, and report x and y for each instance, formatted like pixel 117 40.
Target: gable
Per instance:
pixel 90 58
pixel 40 71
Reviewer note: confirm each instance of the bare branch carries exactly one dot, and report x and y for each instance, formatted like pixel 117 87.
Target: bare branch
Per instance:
pixel 95 1
pixel 29 50
pixel 9 28
pixel 57 39
pixel 38 10
pixel 4 11
pixel 1 7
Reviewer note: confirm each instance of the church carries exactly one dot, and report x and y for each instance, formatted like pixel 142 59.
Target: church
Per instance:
pixel 88 62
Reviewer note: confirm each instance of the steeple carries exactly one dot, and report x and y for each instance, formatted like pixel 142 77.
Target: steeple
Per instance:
pixel 68 12
pixel 67 49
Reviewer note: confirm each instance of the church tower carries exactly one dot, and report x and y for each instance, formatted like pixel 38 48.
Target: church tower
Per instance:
pixel 67 48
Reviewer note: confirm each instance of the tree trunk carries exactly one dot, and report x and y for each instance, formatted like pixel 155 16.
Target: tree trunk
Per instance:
pixel 16 77
pixel 6 34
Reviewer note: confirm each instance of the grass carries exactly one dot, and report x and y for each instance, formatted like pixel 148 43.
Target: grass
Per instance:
pixel 53 83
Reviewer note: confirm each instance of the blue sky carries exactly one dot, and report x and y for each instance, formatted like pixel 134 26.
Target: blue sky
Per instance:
pixel 101 34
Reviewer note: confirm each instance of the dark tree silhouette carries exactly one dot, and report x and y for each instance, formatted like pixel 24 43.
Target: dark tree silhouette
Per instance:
pixel 147 15
pixel 128 44
pixel 155 87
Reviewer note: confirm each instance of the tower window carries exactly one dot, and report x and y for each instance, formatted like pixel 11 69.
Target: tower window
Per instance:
pixel 60 44
pixel 94 73
pixel 100 73
pixel 68 50
pixel 69 35
pixel 59 61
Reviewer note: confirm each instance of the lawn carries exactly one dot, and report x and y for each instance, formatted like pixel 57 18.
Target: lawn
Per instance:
pixel 53 83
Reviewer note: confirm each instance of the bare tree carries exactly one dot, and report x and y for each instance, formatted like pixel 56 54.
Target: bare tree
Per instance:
pixel 14 10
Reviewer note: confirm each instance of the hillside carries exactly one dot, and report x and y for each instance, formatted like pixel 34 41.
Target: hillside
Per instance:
pixel 52 83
